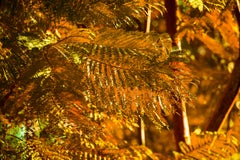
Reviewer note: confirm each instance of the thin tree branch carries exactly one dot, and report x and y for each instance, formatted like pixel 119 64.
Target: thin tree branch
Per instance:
pixel 227 99
pixel 224 119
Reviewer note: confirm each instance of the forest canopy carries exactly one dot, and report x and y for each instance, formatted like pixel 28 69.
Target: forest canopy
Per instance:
pixel 104 79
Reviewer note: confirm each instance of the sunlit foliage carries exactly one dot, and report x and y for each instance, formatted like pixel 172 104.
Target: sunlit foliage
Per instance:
pixel 71 71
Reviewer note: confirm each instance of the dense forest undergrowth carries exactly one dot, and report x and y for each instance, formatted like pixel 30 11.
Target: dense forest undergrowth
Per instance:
pixel 104 79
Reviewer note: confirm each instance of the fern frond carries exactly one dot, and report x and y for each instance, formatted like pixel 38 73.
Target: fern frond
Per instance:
pixel 201 148
pixel 113 80
pixel 150 43
pixel 122 79
pixel 96 13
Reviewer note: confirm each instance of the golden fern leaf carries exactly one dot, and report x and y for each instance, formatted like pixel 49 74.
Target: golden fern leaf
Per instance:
pixel 116 14
pixel 150 43
pixel 109 79
pixel 9 72
pixel 122 79
pixel 208 145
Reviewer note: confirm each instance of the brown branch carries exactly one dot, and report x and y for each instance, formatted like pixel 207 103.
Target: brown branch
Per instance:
pixel 178 127
pixel 171 17
pixel 171 25
pixel 227 98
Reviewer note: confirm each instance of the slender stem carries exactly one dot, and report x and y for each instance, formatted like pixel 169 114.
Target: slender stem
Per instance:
pixel 224 119
pixel 142 124
pixel 225 102
pixel 238 5
pixel 186 129
pixel 229 93
pixel 142 127
pixel 149 13
pixel 228 112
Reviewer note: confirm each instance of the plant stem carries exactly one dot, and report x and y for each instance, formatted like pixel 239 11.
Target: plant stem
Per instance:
pixel 225 102
pixel 224 120
pixel 180 120
pixel 178 127
pixel 142 125
pixel 186 130
pixel 149 13
pixel 238 5
pixel 142 132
